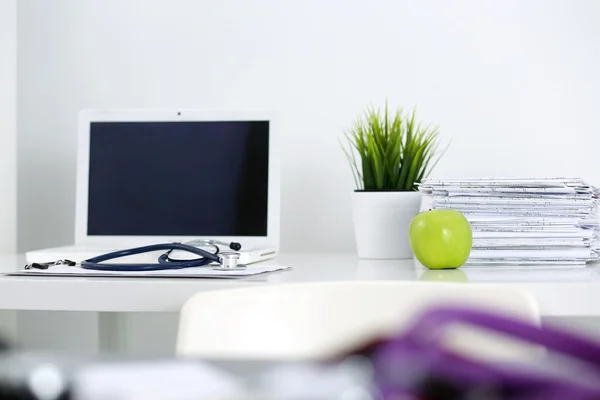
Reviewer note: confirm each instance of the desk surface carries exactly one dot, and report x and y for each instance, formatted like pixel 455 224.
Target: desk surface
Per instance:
pixel 560 292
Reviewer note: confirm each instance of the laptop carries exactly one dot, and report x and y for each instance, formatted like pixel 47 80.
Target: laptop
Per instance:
pixel 147 176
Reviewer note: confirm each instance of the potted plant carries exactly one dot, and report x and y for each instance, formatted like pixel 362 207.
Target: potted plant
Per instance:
pixel 389 154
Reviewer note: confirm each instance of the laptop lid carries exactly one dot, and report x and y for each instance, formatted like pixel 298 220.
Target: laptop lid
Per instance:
pixel 176 175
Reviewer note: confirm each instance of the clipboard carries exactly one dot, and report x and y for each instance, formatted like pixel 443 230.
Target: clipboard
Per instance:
pixel 205 272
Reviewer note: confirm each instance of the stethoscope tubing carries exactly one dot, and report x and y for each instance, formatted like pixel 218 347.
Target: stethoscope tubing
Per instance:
pixel 94 263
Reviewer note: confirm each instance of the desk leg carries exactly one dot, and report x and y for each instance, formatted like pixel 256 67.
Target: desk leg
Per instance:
pixel 8 327
pixel 112 333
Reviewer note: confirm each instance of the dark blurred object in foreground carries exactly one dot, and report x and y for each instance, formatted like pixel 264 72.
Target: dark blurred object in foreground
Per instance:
pixel 413 365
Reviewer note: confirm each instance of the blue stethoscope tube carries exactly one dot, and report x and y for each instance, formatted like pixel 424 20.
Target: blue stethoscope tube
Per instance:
pixel 163 261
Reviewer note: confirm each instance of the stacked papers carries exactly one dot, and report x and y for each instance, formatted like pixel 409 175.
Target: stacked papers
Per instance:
pixel 523 221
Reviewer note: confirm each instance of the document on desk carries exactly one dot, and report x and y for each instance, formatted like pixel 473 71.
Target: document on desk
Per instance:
pixel 523 221
pixel 196 272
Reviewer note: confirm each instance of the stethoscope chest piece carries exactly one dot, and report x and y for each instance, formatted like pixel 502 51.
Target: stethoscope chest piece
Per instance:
pixel 229 262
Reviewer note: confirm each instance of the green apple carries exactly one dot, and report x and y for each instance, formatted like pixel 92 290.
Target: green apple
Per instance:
pixel 440 239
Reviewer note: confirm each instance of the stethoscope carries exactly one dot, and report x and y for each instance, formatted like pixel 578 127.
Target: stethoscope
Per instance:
pixel 226 261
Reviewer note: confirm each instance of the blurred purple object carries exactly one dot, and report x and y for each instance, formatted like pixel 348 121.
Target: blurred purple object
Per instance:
pixel 415 365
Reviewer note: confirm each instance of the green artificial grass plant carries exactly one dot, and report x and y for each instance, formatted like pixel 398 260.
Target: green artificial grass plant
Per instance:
pixel 390 152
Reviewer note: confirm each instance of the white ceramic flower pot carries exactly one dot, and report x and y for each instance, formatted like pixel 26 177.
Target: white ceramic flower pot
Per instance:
pixel 381 221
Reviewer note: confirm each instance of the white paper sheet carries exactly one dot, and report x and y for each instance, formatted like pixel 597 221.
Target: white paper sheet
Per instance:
pixel 518 253
pixel 537 243
pixel 554 234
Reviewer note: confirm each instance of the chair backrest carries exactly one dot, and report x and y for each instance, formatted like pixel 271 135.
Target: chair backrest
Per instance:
pixel 311 321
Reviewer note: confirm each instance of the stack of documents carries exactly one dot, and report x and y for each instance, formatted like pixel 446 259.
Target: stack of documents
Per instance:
pixel 523 221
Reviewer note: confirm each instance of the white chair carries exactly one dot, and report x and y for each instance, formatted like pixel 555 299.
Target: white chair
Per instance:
pixel 314 321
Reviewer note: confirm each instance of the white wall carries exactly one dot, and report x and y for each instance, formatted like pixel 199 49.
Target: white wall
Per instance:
pixel 8 143
pixel 513 83
pixel 8 125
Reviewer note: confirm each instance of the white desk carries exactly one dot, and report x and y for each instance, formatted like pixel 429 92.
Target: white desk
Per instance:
pixel 574 292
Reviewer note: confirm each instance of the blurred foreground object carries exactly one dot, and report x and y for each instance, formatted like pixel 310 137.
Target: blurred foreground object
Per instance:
pixel 416 365
pixel 412 365
pixel 319 320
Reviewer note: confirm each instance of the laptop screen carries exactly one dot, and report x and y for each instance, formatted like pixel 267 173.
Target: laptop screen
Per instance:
pixel 178 178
